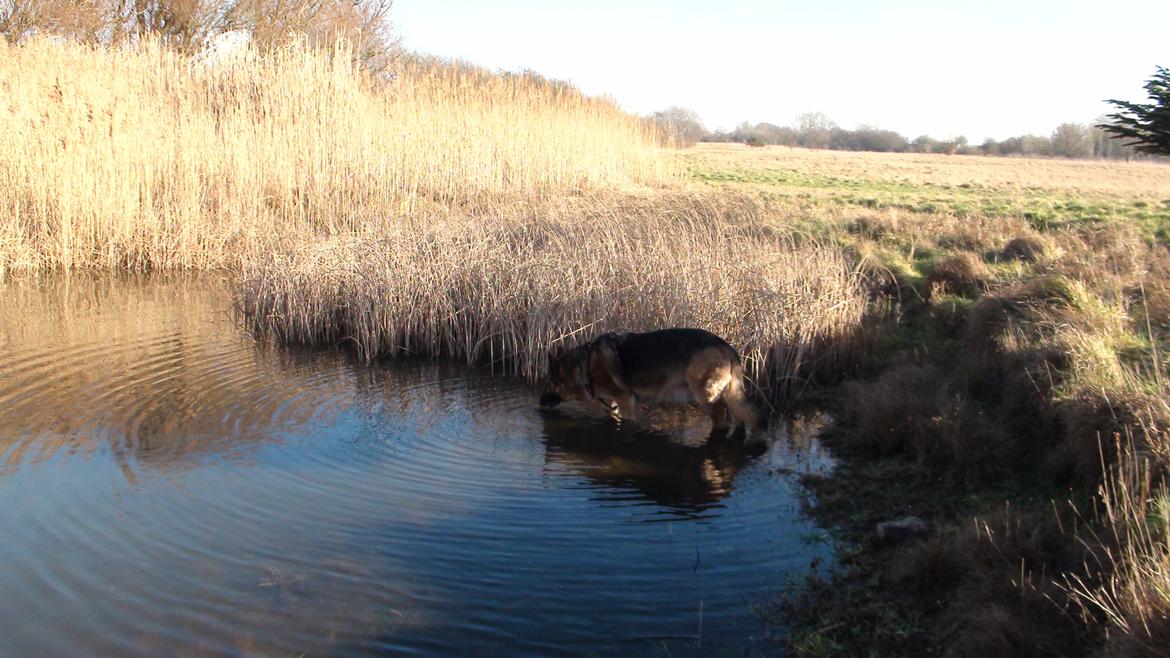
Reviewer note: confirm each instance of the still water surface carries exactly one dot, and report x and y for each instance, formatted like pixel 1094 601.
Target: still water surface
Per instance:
pixel 170 487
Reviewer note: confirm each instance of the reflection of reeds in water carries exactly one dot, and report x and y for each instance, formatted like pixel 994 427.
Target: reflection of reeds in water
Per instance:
pixel 502 289
pixel 142 157
pixel 155 368
pixel 148 368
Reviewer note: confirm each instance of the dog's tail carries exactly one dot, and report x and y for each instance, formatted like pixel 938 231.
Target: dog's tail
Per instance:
pixel 738 403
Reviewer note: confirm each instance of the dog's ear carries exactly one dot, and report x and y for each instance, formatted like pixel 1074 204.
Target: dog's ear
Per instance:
pixel 554 354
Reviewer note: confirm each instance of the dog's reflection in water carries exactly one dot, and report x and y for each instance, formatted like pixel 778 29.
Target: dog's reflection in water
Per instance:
pixel 685 472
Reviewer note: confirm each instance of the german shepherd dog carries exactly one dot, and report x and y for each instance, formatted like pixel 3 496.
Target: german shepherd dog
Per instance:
pixel 671 365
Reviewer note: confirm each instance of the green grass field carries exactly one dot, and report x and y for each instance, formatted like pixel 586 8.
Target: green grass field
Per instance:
pixel 1041 204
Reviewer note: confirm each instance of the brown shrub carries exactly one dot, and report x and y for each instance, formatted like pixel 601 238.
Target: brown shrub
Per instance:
pixel 190 25
pixel 962 274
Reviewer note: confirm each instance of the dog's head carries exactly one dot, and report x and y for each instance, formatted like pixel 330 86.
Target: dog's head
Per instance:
pixel 568 376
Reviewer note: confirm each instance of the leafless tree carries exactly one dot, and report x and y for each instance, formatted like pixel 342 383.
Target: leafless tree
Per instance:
pixel 680 124
pixel 188 25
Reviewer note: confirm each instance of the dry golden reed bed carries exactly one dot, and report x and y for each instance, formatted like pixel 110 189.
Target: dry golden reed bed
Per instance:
pixel 144 158
pixel 501 288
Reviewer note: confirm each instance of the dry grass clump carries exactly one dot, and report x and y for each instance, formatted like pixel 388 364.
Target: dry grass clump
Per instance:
pixel 1029 583
pixel 1053 353
pixel 1093 422
pixel 1149 293
pixel 877 225
pixel 1003 578
pixel 942 231
pixel 1131 534
pixel 142 157
pixel 1107 258
pixel 1067 369
pixel 914 409
pixel 1007 601
pixel 937 563
pixel 1034 311
pixel 503 290
pixel 1027 386
pixel 948 314
pixel 883 279
pixel 962 274
pixel 1028 249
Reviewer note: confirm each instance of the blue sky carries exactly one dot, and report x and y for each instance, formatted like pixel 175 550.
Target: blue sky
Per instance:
pixel 995 68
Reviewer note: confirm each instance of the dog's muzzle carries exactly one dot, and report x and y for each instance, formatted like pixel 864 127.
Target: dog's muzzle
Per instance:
pixel 550 399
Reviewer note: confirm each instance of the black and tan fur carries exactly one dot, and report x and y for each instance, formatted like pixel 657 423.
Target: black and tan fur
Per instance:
pixel 672 365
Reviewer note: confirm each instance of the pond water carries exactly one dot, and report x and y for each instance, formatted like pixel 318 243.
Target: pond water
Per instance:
pixel 170 487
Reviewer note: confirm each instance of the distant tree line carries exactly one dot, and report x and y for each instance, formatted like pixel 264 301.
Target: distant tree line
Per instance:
pixel 817 131
pixel 679 126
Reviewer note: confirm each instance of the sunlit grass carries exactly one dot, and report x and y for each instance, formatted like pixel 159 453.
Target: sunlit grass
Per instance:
pixel 1047 194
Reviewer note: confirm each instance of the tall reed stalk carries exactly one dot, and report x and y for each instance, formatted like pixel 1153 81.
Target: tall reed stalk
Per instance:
pixel 1131 591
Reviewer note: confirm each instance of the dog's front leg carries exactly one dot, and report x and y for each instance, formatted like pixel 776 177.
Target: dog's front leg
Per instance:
pixel 625 407
pixel 615 411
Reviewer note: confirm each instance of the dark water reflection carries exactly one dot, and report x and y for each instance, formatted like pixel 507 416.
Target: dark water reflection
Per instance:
pixel 168 487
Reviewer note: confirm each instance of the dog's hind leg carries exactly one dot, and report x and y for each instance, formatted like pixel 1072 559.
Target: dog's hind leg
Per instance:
pixel 707 387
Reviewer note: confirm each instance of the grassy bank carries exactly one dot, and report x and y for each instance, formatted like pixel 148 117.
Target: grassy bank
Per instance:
pixel 143 158
pixel 1015 398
